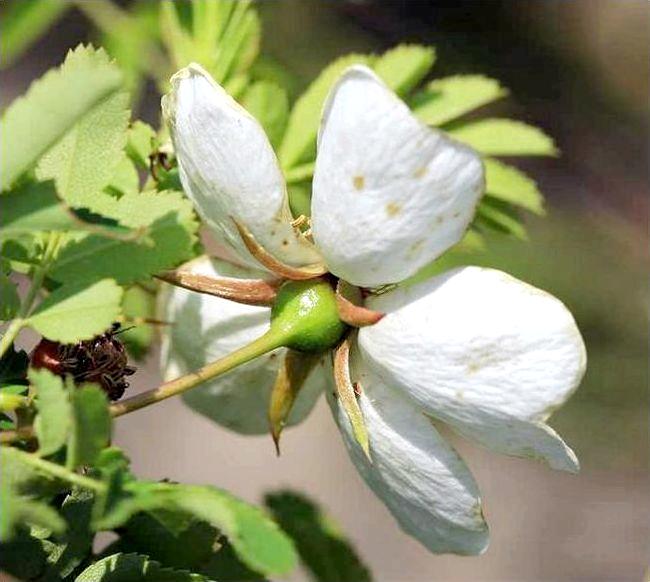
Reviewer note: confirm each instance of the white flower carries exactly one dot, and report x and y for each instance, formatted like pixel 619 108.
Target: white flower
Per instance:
pixel 488 355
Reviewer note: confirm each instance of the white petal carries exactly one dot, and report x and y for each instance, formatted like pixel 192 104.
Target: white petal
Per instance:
pixel 421 479
pixel 206 328
pixel 229 170
pixel 390 193
pixel 485 352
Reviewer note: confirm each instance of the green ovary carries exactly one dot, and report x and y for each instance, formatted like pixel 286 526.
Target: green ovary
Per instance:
pixel 306 315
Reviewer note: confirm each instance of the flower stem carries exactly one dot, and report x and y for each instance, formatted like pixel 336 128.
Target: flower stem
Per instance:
pixel 271 340
pixel 57 470
pixel 268 342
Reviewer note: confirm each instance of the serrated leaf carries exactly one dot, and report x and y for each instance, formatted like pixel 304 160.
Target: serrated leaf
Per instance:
pixel 299 141
pixel 509 184
pixel 132 567
pixel 65 552
pixel 323 549
pixel 140 143
pixel 91 426
pixel 9 298
pixel 446 99
pixel 498 217
pixel 54 418
pixel 505 137
pixel 53 104
pixel 166 219
pixel 83 163
pixel 23 23
pixel 403 67
pixel 269 104
pixel 258 542
pixel 77 312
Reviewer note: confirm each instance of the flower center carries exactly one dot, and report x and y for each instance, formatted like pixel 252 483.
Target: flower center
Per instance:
pixel 305 312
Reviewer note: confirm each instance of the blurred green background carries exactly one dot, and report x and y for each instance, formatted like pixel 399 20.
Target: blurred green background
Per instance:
pixel 579 70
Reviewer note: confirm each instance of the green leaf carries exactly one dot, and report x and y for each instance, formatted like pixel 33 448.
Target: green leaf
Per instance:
pixel 509 184
pixel 132 567
pixel 446 99
pixel 18 510
pixel 54 418
pixel 25 22
pixel 300 198
pixel 138 305
pixel 65 552
pixel 239 43
pixel 84 162
pixel 35 207
pixel 187 548
pixel 176 39
pixel 496 216
pixel 403 67
pixel 269 104
pixel 91 426
pixel 140 144
pixel 9 299
pixel 166 218
pixel 23 478
pixel 22 557
pixel 299 142
pixel 53 104
pixel 125 179
pixel 328 556
pixel 505 137
pixel 257 540
pixel 77 312
pixel 13 367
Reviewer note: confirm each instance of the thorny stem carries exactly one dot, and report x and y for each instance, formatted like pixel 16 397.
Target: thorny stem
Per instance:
pixel 19 321
pixel 58 471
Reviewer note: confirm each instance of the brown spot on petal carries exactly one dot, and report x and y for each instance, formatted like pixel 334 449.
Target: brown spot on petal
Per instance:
pixel 358 182
pixel 420 172
pixel 393 209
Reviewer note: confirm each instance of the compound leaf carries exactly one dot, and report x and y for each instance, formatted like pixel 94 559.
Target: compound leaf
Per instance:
pixel 53 104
